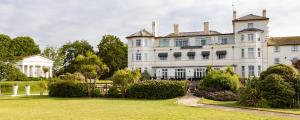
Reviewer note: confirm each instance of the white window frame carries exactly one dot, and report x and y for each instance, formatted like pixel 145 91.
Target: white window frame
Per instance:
pixel 138 56
pixel 251 37
pixel 294 48
pixel 164 43
pixel 276 49
pixel 251 70
pixel 258 52
pixel 276 60
pixel 138 43
pixel 251 53
pixel 250 25
pixel 242 53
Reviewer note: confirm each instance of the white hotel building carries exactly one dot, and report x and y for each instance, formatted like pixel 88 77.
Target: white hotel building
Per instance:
pixel 185 55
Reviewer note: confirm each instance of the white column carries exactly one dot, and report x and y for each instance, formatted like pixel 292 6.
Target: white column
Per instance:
pixel 23 69
pixel 28 71
pixel 50 71
pixel 33 71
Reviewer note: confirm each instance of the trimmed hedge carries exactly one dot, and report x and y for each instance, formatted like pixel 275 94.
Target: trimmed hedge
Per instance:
pixel 7 86
pixel 67 88
pixel 157 89
pixel 218 95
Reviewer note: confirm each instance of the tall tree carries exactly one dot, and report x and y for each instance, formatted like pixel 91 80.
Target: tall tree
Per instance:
pixel 113 52
pixel 71 50
pixel 91 67
pixel 5 52
pixel 24 46
pixel 54 54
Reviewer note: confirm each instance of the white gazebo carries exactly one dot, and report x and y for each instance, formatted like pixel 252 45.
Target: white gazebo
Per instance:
pixel 32 66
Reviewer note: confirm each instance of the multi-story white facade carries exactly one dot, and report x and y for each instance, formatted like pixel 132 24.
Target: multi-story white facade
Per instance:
pixel 185 55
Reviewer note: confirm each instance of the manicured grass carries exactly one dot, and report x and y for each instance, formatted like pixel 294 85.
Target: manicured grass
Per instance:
pixel 235 104
pixel 43 107
pixel 7 86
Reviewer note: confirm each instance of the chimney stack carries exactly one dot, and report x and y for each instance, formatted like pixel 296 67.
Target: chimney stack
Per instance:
pixel 206 28
pixel 154 28
pixel 176 28
pixel 234 14
pixel 264 13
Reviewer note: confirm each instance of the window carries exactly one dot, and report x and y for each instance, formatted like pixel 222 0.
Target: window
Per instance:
pixel 180 73
pixel 199 72
pixel 138 56
pixel 251 70
pixel 250 25
pixel 243 71
pixel 221 56
pixel 276 60
pixel 294 48
pixel 250 37
pixel 276 49
pixel 164 43
pixel 138 43
pixel 163 58
pixel 203 42
pixel 145 42
pixel 243 53
pixel 191 57
pixel 164 74
pixel 181 42
pixel 258 52
pixel 205 57
pixel 242 37
pixel 177 58
pixel 224 41
pixel 258 70
pixel 250 52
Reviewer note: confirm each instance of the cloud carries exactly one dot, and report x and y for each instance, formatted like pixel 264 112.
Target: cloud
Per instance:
pixel 54 22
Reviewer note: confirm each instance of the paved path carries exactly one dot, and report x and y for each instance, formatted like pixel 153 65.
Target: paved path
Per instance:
pixel 191 100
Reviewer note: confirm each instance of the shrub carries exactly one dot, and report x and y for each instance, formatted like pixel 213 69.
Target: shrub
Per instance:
pixel 67 89
pixel 96 93
pixel 10 72
pixel 217 95
pixel 276 91
pixel 145 76
pixel 250 94
pixel 124 78
pixel 288 73
pixel 113 92
pixel 157 89
pixel 220 81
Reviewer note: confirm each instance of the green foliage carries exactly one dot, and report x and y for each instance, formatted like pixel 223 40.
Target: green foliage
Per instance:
pixel 114 92
pixel 250 95
pixel 157 89
pixel 145 76
pixel 278 87
pixel 54 54
pixel 288 73
pixel 96 93
pixel 218 80
pixel 17 48
pixel 114 53
pixel 10 72
pixel 124 78
pixel 276 91
pixel 7 86
pixel 91 67
pixel 71 50
pixel 67 88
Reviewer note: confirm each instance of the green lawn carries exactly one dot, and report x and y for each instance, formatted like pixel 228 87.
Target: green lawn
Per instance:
pixel 235 104
pixel 37 107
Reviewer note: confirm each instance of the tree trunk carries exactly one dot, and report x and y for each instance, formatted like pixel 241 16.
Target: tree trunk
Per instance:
pixel 0 89
pixel 87 85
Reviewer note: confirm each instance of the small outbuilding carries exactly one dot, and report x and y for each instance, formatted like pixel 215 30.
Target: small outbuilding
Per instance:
pixel 36 66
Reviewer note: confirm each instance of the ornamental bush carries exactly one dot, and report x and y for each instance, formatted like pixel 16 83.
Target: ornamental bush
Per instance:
pixel 218 95
pixel 288 73
pixel 218 80
pixel 158 89
pixel 67 88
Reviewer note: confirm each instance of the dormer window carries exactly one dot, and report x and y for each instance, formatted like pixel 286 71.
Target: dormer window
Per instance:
pixel 250 25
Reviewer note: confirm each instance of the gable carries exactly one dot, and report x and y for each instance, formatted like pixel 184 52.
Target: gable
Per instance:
pixel 37 58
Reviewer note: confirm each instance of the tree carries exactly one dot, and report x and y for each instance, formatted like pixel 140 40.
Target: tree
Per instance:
pixel 5 53
pixel 23 46
pixel 45 70
pixel 124 78
pixel 91 67
pixel 145 76
pixel 71 50
pixel 53 53
pixel 114 53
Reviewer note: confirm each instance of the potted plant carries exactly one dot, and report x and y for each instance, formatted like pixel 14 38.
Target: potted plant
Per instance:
pixel 15 89
pixel 27 89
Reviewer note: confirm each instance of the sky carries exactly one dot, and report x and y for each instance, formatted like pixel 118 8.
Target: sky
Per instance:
pixel 55 22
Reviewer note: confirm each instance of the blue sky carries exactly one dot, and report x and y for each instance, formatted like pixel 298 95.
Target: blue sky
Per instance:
pixel 54 22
